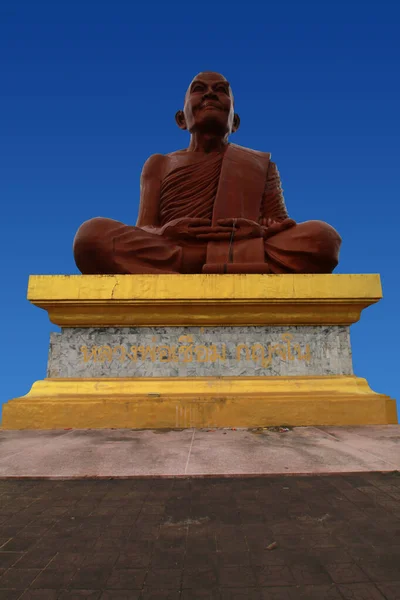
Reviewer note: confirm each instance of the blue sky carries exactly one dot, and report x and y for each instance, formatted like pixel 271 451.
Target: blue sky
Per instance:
pixel 90 89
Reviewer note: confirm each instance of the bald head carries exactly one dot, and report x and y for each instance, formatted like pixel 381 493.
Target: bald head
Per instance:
pixel 208 77
pixel 208 106
pixel 212 75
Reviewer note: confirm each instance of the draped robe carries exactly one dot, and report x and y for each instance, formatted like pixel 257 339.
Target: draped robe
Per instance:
pixel 240 183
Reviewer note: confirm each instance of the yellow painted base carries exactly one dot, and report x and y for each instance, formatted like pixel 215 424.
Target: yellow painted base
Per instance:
pixel 203 300
pixel 156 403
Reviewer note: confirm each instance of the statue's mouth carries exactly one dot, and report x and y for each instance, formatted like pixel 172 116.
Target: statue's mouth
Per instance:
pixel 210 105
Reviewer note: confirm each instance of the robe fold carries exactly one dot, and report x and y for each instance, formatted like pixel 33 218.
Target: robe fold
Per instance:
pixel 239 183
pixel 190 191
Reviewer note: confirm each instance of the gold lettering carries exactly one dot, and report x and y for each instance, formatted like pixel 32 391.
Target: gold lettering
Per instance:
pixel 285 351
pixel 239 349
pixel 86 356
pixel 104 353
pixel 268 359
pixel 278 349
pixel 257 348
pixel 287 337
pixel 214 356
pixel 186 351
pixel 134 353
pixel 122 351
pixel 166 353
pixel 201 353
pixel 307 355
pixel 148 351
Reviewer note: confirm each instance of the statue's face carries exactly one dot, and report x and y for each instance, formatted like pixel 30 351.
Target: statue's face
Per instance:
pixel 209 105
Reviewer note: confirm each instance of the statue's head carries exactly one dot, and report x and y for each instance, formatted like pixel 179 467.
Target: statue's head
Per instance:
pixel 208 106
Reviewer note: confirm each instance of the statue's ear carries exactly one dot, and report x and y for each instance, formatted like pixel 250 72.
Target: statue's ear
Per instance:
pixel 180 119
pixel 236 123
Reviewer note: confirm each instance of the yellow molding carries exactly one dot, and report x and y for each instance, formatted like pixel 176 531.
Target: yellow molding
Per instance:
pixel 156 403
pixel 181 300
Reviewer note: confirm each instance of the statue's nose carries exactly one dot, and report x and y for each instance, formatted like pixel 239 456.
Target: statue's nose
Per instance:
pixel 210 94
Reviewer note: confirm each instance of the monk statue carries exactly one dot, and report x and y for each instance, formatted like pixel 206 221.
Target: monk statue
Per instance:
pixel 215 207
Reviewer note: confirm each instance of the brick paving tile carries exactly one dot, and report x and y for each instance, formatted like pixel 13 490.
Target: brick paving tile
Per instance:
pixel 90 577
pixel 201 559
pixel 336 537
pixel 200 578
pixel 165 558
pixel 18 544
pixel 152 594
pixel 79 594
pixel 347 572
pixel 120 595
pixel 99 559
pixel 274 575
pixel 257 535
pixel 201 594
pixel 237 577
pixel 234 555
pixel 40 595
pixel 232 542
pixel 320 592
pixel 164 579
pixel 311 572
pixel 174 542
pixel 267 557
pixel 52 578
pixel 8 532
pixel 361 591
pixel 281 593
pixel 143 532
pixel 103 546
pixel 201 536
pixel 8 559
pixel 35 559
pixel 18 578
pixel 319 540
pixel 391 590
pixel 10 594
pixel 381 570
pixel 4 540
pixel 126 579
pixel 133 560
pixel 64 560
pixel 240 593
pixel 361 553
pixel 331 556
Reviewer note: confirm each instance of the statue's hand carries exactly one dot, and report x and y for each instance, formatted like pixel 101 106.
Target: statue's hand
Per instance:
pixel 193 229
pixel 242 228
pixel 274 227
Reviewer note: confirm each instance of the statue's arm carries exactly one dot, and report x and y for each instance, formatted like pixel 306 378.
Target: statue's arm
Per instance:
pixel 273 205
pixel 150 185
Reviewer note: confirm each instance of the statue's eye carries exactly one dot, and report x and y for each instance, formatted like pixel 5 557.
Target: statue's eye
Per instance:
pixel 197 88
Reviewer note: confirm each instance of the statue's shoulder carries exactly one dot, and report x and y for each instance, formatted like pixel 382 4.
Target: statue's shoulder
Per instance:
pixel 250 152
pixel 182 152
pixel 154 165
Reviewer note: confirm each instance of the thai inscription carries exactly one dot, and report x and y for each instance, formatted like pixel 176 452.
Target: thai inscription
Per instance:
pixel 185 351
pixel 200 352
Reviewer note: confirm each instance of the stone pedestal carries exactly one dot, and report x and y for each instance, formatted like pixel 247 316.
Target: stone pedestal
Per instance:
pixel 151 351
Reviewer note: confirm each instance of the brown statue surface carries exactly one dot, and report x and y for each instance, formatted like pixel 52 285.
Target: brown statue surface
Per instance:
pixel 213 208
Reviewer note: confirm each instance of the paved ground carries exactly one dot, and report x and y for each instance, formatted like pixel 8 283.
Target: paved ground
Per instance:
pixel 336 536
pixel 126 452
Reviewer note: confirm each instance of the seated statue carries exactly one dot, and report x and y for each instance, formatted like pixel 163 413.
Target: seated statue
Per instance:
pixel 215 207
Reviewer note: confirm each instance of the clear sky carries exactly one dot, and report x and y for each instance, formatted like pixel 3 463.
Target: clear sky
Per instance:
pixel 89 90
